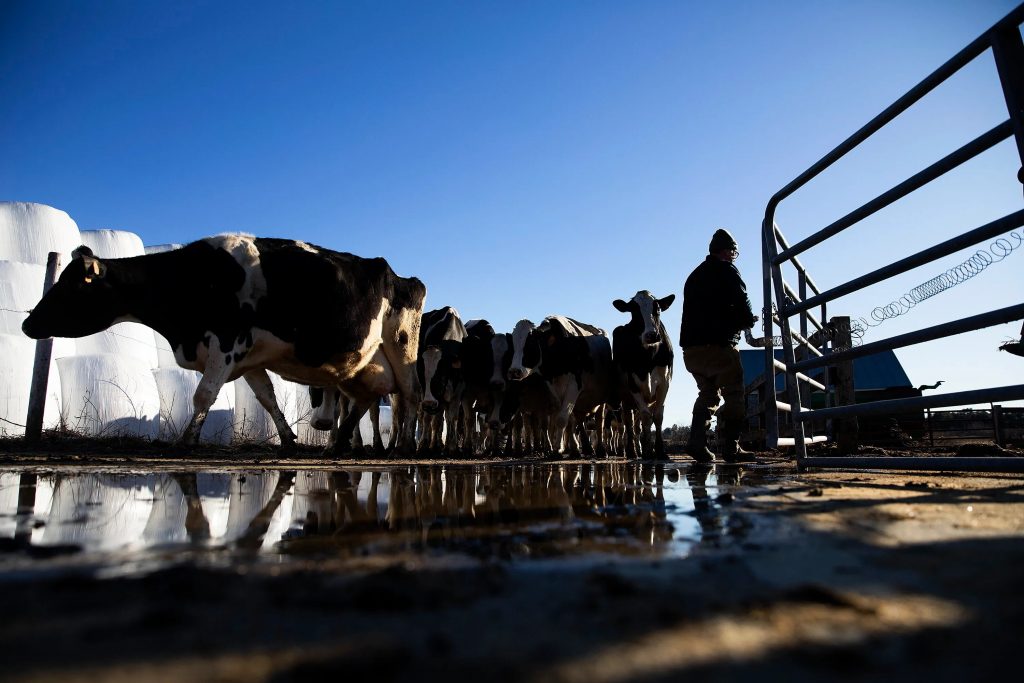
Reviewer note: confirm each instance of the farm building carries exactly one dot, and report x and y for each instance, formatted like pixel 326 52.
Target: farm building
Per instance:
pixel 877 377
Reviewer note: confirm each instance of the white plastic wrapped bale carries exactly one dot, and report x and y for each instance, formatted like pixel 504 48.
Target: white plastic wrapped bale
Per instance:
pixel 252 422
pixel 107 395
pixel 29 232
pixel 366 426
pixel 17 357
pixel 107 243
pixel 164 352
pixel 21 287
pixel 126 340
pixel 161 248
pixel 176 387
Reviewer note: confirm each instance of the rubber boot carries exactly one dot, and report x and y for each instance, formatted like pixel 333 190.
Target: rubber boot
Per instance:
pixel 697 446
pixel 732 452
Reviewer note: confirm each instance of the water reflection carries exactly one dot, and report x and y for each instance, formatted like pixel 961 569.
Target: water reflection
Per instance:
pixel 504 512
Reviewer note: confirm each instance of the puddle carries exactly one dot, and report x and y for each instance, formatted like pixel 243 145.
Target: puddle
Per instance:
pixel 118 523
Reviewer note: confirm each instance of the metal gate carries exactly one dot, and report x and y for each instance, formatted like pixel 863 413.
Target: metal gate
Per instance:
pixel 783 302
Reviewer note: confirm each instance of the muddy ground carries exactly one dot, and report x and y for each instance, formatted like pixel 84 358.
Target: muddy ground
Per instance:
pixel 815 576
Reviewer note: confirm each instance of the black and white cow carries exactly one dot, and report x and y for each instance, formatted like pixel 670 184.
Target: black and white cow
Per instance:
pixel 575 362
pixel 439 369
pixel 236 306
pixel 328 409
pixel 506 397
pixel 479 395
pixel 643 361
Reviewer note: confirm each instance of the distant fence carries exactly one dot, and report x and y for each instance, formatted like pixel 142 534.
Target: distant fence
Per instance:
pixel 1003 426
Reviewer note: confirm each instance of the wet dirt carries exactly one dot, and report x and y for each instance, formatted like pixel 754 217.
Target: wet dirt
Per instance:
pixel 578 571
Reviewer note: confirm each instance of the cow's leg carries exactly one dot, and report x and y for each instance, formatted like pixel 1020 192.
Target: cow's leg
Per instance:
pixel 421 441
pixel 469 427
pixel 348 429
pixel 358 447
pixel 215 374
pixel 645 419
pixel 400 336
pixel 263 388
pixel 630 435
pixel 567 390
pixel 659 388
pixel 451 418
pixel 599 450
pixel 378 442
pixel 397 417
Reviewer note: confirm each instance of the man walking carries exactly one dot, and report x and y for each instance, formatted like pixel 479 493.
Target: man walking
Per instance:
pixel 715 310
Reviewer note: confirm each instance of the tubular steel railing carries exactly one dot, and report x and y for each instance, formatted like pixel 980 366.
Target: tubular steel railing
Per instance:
pixel 782 302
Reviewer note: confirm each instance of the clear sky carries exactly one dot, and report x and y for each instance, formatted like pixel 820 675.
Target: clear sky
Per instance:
pixel 522 158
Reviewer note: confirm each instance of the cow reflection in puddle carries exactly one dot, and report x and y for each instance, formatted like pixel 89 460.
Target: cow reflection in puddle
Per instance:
pixel 528 511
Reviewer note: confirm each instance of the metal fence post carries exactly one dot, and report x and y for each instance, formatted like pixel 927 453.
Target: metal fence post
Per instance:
pixel 41 365
pixel 1008 51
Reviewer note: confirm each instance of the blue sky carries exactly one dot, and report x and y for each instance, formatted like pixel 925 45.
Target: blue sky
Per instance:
pixel 522 158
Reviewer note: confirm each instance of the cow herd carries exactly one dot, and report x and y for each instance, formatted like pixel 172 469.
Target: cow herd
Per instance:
pixel 352 330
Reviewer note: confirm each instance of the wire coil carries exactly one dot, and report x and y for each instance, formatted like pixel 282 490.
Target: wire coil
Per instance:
pixel 975 264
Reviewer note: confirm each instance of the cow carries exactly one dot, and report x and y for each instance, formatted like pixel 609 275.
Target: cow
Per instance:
pixel 235 306
pixel 439 369
pixel 643 361
pixel 328 409
pixel 574 361
pixel 479 396
pixel 505 399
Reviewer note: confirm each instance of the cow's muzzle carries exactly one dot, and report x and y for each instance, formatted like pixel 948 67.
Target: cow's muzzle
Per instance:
pixel 518 374
pixel 322 423
pixel 430 407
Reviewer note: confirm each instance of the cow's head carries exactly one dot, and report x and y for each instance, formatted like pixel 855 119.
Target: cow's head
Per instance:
pixel 441 367
pixel 526 353
pixel 83 301
pixel 646 314
pixel 501 354
pixel 326 408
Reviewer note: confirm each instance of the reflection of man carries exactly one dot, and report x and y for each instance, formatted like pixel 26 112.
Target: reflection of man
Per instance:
pixel 715 310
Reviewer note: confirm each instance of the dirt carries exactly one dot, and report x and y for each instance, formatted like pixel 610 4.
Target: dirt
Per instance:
pixel 846 575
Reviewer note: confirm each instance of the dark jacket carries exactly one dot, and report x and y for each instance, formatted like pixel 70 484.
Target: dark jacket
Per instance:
pixel 715 305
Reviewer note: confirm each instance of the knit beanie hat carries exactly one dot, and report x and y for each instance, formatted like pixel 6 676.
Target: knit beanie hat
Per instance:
pixel 721 240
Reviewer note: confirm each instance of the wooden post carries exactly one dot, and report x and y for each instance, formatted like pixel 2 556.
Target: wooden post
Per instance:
pixel 847 436
pixel 41 366
pixel 997 424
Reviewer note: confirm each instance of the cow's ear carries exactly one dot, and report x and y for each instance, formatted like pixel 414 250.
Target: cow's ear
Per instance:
pixel 666 302
pixel 81 251
pixel 621 305
pixel 94 269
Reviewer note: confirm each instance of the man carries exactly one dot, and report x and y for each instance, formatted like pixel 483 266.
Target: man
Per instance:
pixel 715 310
